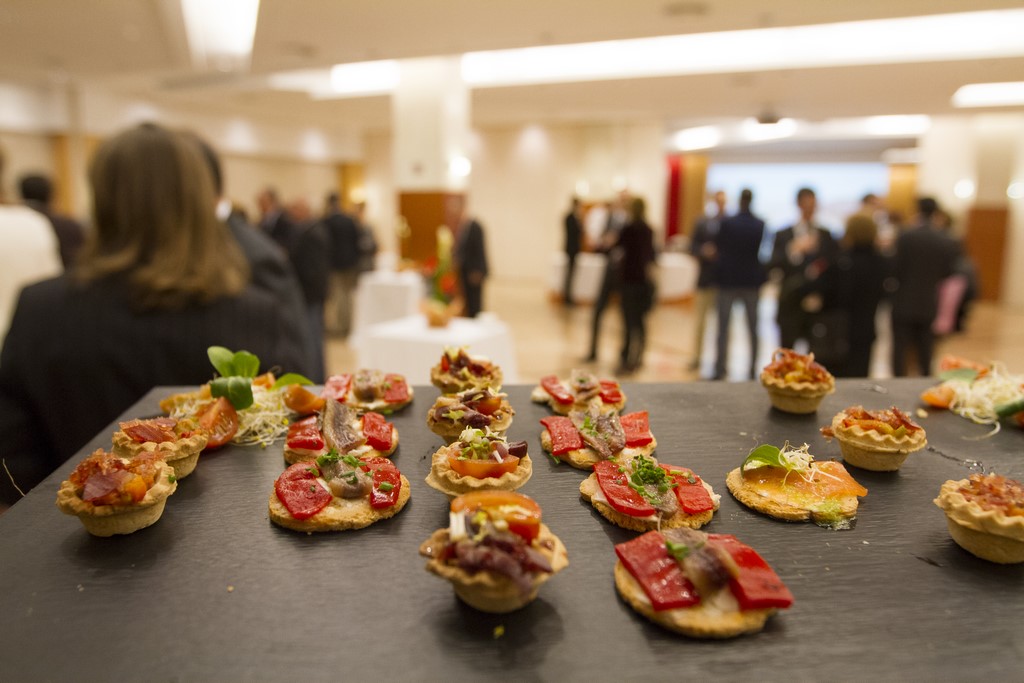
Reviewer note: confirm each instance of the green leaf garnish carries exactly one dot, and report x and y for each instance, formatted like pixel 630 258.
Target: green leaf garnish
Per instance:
pixel 236 371
pixel 246 364
pixel 765 454
pixel 290 378
pixel 385 486
pixel 238 390
pixel 962 374
pixel 222 360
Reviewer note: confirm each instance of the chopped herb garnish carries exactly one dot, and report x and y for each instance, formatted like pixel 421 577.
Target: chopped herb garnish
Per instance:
pixel 455 415
pixel 351 460
pixel 171 478
pixel 680 550
pixel 385 486
pixel 330 457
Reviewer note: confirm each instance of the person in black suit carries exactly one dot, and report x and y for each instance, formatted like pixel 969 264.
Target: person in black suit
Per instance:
pixel 274 220
pixel 800 253
pixel 470 256
pixel 636 242
pixel 740 276
pixel 343 246
pixel 702 248
pixel 159 282
pixel 573 242
pixel 924 257
pixel 36 192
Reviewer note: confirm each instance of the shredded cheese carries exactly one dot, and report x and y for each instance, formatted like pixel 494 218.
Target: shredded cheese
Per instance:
pixel 977 400
pixel 263 423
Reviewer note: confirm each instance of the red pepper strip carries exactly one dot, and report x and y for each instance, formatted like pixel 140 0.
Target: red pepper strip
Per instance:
pixel 615 486
pixel 757 586
pixel 446 364
pixel 377 431
pixel 299 491
pixel 637 429
pixel 657 572
pixel 305 435
pixel 610 391
pixel 557 390
pixel 384 472
pixel 564 435
pixel 337 387
pixel 693 497
pixel 397 390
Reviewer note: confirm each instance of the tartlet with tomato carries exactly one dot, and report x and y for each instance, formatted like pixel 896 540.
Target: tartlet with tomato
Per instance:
pixel 478 461
pixel 338 492
pixel 457 371
pixel 796 383
pixel 339 428
pixel 877 440
pixel 474 408
pixel 176 442
pixel 641 494
pixel 382 392
pixel 700 585
pixel 584 438
pixel 789 484
pixel 582 391
pixel 985 516
pixel 112 495
pixel 496 552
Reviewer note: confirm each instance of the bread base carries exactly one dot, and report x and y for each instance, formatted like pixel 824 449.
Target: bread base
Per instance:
pixel 991 547
pixel 746 494
pixel 699 621
pixel 341 514
pixel 585 458
pixel 114 520
pixel 491 592
pixel 449 482
pixel 589 488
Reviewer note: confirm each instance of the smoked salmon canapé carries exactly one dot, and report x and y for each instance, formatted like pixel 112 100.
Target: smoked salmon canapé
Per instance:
pixel 796 383
pixel 641 494
pixel 337 492
pixel 877 440
pixel 582 391
pixel 700 585
pixel 789 484
pixel 496 552
pixel 985 515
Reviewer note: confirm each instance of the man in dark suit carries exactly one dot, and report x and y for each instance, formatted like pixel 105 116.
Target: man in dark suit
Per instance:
pixel 343 242
pixel 470 256
pixel 36 192
pixel 274 220
pixel 924 257
pixel 573 239
pixel 702 248
pixel 800 252
pixel 740 276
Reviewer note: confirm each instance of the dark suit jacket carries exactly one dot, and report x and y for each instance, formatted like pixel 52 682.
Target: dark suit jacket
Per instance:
pixel 705 231
pixel 77 356
pixel 573 234
pixel 828 249
pixel 738 244
pixel 343 236
pixel 924 257
pixel 470 253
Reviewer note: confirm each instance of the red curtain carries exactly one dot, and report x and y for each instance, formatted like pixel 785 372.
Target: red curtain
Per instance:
pixel 675 177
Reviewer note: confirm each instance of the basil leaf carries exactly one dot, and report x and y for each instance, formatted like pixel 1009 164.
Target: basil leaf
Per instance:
pixel 222 360
pixel 765 454
pixel 963 374
pixel 238 390
pixel 246 364
pixel 289 379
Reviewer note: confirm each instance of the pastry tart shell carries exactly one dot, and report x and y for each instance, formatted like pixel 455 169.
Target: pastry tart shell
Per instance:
pixel 450 384
pixel 181 454
pixel 800 398
pixel 988 534
pixel 113 520
pixel 450 431
pixel 872 450
pixel 449 482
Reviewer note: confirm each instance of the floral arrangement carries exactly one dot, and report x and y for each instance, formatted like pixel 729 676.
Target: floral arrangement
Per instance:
pixel 442 286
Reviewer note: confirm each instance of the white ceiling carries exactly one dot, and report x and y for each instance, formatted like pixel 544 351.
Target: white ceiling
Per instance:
pixel 138 48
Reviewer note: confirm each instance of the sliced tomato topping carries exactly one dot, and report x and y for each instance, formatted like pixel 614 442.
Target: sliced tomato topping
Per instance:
pixel 940 396
pixel 387 482
pixel 377 431
pixel 637 429
pixel 395 389
pixel 481 469
pixel 564 435
pixel 488 405
pixel 557 390
pixel 615 487
pixel 610 391
pixel 305 435
pixel 302 401
pixel 219 420
pixel 646 558
pixel 690 492
pixel 520 512
pixel 299 491
pixel 337 387
pixel 266 380
pixel 757 586
pixel 446 364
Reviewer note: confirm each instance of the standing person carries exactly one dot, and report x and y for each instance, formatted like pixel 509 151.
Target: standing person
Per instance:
pixel 573 243
pixel 274 221
pixel 740 276
pixel 28 252
pixel 637 244
pixel 470 256
pixel 702 248
pixel 611 280
pixel 37 192
pixel 159 281
pixel 367 242
pixel 924 257
pixel 343 240
pixel 800 251
pixel 309 254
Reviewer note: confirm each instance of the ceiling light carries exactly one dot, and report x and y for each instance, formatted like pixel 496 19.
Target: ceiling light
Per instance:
pixel 365 78
pixel 1015 190
pixel 221 33
pixel 702 137
pixel 914 124
pixel 460 167
pixel 990 95
pixel 964 188
pixel 755 131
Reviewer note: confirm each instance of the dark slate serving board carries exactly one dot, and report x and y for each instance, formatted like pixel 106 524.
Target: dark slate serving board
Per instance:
pixel 214 591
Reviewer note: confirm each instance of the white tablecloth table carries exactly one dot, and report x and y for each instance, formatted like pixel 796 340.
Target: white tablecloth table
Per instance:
pixel 411 347
pixel 384 295
pixel 677 276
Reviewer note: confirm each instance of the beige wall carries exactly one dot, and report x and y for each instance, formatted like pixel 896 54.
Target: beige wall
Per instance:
pixel 24 153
